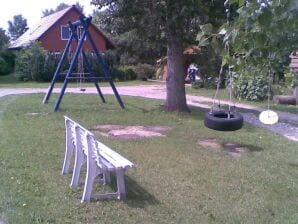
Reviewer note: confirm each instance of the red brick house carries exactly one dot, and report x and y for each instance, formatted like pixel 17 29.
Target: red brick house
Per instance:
pixel 52 32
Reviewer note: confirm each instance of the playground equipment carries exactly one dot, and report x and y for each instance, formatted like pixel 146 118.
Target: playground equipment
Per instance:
pixel 219 119
pixel 268 116
pixel 81 59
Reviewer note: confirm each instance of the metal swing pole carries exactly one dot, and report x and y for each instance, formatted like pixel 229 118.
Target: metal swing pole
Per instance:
pixel 86 22
pixel 57 72
pixel 84 59
pixel 73 61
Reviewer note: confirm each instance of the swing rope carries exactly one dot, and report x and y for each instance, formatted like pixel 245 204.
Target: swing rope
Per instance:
pixel 269 86
pixel 221 120
pixel 227 48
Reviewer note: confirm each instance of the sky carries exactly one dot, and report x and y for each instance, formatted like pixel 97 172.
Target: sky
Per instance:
pixel 32 9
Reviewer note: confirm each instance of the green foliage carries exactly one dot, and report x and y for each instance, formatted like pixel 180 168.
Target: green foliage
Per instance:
pixel 144 71
pixel 197 84
pixel 253 87
pixel 17 27
pixel 264 35
pixel 6 63
pixel 60 7
pixel 6 56
pixel 294 82
pixel 129 72
pixel 124 73
pixel 36 64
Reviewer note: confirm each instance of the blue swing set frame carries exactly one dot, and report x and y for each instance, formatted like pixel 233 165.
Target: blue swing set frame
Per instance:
pixel 83 22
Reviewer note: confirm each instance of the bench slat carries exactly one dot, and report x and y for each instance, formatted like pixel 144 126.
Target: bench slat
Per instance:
pixel 117 160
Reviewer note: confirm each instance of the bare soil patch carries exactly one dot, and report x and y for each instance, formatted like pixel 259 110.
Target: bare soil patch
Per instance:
pixel 235 150
pixel 131 131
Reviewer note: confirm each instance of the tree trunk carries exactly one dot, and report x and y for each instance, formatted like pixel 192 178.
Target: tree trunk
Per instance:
pixel 295 94
pixel 176 99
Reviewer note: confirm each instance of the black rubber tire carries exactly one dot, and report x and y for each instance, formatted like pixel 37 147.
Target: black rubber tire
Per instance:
pixel 218 120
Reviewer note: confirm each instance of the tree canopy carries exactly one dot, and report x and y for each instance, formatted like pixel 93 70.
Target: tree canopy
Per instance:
pixel 173 24
pixel 17 27
pixel 265 33
pixel 61 6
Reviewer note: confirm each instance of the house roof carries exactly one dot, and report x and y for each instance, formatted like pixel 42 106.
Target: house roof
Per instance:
pixel 45 23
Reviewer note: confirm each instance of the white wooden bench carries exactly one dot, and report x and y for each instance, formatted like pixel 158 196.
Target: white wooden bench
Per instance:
pixel 100 160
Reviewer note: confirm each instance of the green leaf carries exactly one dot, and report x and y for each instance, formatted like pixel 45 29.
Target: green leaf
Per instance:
pixel 199 36
pixel 204 42
pixel 206 29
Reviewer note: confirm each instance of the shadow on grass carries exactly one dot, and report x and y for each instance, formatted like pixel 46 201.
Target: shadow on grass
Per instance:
pixel 137 196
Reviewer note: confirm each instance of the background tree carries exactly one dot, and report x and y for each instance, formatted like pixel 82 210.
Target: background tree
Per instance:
pixel 60 7
pixel 6 57
pixel 17 27
pixel 174 23
pixel 261 36
pixel 264 34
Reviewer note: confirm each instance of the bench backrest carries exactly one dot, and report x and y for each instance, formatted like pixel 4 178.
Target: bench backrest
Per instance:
pixel 96 151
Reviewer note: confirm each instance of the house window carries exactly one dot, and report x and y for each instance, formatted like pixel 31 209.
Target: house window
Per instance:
pixel 65 33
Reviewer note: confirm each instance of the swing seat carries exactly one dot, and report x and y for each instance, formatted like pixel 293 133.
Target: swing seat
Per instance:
pixel 220 120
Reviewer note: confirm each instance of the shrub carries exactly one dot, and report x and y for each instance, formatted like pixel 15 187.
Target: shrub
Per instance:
pixel 129 72
pixel 117 74
pixel 4 67
pixel 294 82
pixel 111 58
pixel 144 71
pixel 197 84
pixel 6 62
pixel 253 88
pixel 35 63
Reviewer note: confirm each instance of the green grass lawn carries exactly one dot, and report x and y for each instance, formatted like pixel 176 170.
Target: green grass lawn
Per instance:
pixel 176 179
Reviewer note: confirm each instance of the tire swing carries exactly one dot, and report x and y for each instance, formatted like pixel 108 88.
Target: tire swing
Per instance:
pixel 218 119
pixel 221 120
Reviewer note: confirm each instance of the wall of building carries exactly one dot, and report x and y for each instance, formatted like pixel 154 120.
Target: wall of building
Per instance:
pixel 51 39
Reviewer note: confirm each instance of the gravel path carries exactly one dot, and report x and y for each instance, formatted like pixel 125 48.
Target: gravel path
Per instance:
pixel 287 125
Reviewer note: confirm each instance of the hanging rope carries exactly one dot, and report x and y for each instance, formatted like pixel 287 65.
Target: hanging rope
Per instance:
pixel 220 120
pixel 227 48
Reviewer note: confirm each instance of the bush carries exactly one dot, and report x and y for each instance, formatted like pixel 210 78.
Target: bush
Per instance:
pixel 197 84
pixel 111 58
pixel 251 88
pixel 123 73
pixel 144 71
pixel 6 62
pixel 294 82
pixel 4 67
pixel 129 72
pixel 36 64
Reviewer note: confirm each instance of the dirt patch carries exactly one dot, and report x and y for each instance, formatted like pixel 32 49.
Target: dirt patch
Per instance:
pixel 210 143
pixel 232 149
pixel 131 132
pixel 35 114
pixel 236 150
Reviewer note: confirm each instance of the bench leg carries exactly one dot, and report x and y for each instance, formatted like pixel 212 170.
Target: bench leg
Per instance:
pixel 120 184
pixel 67 157
pixel 79 160
pixel 106 177
pixel 91 174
